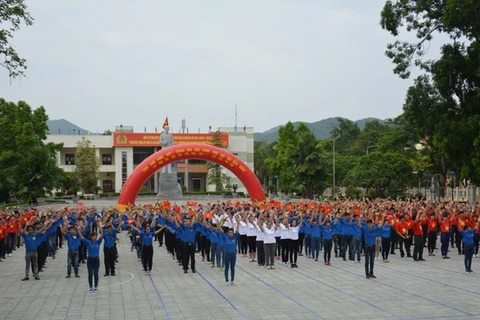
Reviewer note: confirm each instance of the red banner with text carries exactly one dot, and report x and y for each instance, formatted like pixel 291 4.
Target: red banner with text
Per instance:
pixel 121 139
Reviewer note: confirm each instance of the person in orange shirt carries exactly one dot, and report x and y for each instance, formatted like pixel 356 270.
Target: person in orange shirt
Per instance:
pixel 12 228
pixel 3 235
pixel 403 234
pixel 445 227
pixel 418 236
pixel 462 221
pixel 476 236
pixel 432 233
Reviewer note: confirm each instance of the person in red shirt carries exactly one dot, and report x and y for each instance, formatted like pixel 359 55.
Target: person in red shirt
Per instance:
pixel 476 236
pixel 418 236
pixel 432 223
pixel 12 229
pixel 3 235
pixel 402 231
pixel 445 227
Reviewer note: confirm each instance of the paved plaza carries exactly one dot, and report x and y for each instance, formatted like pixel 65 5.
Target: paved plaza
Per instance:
pixel 404 289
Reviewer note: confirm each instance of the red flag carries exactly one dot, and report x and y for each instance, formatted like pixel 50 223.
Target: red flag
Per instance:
pixel 165 123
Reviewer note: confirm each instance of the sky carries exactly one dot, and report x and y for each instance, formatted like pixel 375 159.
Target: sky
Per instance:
pixel 99 64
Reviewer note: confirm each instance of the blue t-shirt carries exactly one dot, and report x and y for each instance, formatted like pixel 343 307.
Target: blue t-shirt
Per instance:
pixel 386 230
pixel 31 241
pixel 93 248
pixel 468 236
pixel 109 238
pixel 73 241
pixel 327 232
pixel 147 238
pixel 188 233
pixel 230 243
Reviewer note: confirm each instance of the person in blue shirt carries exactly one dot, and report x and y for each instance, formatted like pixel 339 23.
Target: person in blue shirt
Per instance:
pixel 357 239
pixel 308 236
pixel 148 235
pixel 109 236
pixel 93 260
pixel 337 235
pixel 468 233
pixel 230 245
pixel 189 230
pixel 32 240
pixel 327 240
pixel 347 236
pixel 370 234
pixel 73 241
pixel 386 231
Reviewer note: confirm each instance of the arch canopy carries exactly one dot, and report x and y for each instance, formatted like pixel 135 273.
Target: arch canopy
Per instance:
pixel 190 151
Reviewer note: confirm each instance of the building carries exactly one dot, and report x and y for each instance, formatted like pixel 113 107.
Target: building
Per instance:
pixel 121 152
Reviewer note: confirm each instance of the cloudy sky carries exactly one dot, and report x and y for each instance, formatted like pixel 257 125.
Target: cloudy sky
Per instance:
pixel 103 63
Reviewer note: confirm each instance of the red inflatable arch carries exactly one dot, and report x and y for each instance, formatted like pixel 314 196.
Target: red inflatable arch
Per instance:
pixel 190 151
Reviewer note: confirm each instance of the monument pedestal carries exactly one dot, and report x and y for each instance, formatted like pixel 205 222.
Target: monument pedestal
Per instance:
pixel 168 187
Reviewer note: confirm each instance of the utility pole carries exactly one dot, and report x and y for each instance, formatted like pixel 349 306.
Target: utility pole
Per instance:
pixel 333 182
pixel 186 182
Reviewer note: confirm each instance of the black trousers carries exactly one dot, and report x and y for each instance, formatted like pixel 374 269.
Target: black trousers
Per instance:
pixel 179 248
pixel 327 247
pixel 188 255
pixel 301 238
pixel 170 242
pixel 243 243
pixel 260 253
pixel 406 243
pixel 432 241
pixel 369 259
pixel 109 259
pixel 147 252
pixel 159 236
pixel 284 244
pixel 337 244
pixel 418 247
pixel 293 246
pixel 205 247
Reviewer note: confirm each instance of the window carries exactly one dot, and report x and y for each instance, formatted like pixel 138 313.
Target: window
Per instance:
pixel 124 167
pixel 70 159
pixel 141 153
pixel 106 159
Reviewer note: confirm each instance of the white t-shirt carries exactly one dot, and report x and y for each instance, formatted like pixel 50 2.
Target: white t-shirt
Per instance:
pixel 285 233
pixel 260 234
pixel 269 235
pixel 251 230
pixel 278 232
pixel 294 233
pixel 243 228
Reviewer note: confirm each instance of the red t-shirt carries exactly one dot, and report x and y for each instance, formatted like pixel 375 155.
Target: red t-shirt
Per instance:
pixel 401 228
pixel 445 226
pixel 417 228
pixel 432 225
pixel 12 226
pixel 3 231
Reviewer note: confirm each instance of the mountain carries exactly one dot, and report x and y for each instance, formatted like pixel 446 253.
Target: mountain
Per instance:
pixel 321 129
pixel 63 126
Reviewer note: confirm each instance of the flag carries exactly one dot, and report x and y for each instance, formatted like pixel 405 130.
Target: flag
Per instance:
pixel 165 123
pixel 209 129
pixel 198 130
pixel 59 131
pixel 155 129
pixel 145 129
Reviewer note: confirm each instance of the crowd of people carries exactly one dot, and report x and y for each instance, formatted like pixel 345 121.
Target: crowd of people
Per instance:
pixel 264 232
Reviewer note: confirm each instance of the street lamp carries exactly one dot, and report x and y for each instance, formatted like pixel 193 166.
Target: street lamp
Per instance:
pixel 452 173
pixel 278 184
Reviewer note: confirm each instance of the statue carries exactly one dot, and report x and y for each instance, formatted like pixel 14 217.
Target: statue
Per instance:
pixel 168 186
pixel 166 140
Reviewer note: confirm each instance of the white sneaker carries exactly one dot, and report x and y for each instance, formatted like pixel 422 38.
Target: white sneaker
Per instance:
pixel 95 290
pixel 9 254
pixel 232 283
pixel 227 283
pixel 90 290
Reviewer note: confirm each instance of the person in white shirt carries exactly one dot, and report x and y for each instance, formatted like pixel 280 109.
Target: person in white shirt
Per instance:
pixel 294 241
pixel 269 242
pixel 243 236
pixel 259 242
pixel 284 239
pixel 251 238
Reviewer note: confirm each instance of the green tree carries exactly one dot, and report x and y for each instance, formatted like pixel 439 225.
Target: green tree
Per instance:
pixel 28 166
pixel 12 14
pixel 388 173
pixel 215 175
pixel 310 161
pixel 87 164
pixel 442 105
pixel 263 151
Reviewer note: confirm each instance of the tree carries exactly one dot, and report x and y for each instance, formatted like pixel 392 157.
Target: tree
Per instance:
pixel 87 164
pixel 310 162
pixel 28 166
pixel 388 173
pixel 12 14
pixel 215 175
pixel 442 105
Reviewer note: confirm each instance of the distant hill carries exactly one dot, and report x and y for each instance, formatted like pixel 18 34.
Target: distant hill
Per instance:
pixel 321 129
pixel 63 126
